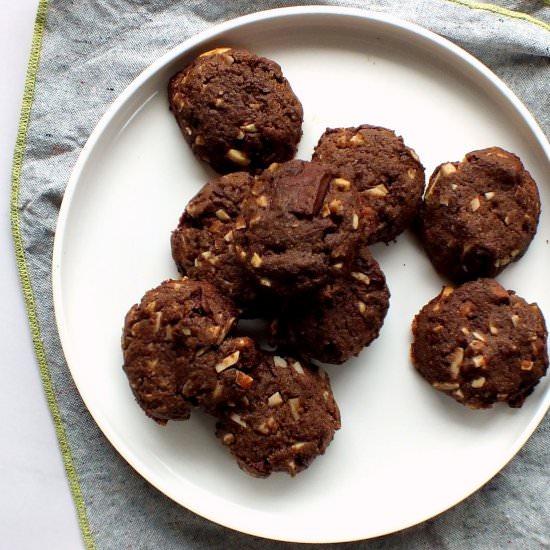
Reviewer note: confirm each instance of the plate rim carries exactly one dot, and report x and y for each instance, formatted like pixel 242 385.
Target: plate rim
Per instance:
pixel 441 43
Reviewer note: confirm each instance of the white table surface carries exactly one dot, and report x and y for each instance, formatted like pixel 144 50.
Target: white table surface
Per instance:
pixel 36 508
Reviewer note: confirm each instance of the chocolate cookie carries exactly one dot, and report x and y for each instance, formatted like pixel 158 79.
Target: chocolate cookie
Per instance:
pixel 298 226
pixel 388 175
pixel 288 418
pixel 202 242
pixel 338 321
pixel 479 215
pixel 175 350
pixel 219 376
pixel 480 344
pixel 236 110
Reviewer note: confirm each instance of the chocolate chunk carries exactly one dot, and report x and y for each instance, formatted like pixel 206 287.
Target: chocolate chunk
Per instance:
pixel 297 228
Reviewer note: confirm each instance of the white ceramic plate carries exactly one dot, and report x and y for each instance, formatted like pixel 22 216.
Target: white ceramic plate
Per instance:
pixel 405 452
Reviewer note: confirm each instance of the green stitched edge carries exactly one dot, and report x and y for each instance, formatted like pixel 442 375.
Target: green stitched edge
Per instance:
pixel 17 166
pixel 503 11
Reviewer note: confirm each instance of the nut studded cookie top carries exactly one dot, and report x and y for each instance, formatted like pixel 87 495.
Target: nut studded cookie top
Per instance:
pixel 481 344
pixel 172 342
pixel 479 215
pixel 288 418
pixel 298 226
pixel 202 243
pixel 385 172
pixel 236 110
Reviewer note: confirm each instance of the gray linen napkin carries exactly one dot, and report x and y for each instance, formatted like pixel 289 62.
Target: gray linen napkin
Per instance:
pixel 91 50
